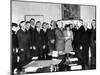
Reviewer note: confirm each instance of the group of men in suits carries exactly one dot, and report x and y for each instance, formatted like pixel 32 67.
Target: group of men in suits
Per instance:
pixel 83 42
pixel 30 40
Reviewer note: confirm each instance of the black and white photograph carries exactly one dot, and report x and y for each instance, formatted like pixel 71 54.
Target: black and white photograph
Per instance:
pixel 52 37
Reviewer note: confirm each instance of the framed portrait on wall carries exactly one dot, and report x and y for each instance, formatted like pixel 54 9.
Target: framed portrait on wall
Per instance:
pixel 70 11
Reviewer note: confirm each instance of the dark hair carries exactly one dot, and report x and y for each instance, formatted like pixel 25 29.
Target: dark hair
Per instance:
pixel 32 19
pixel 38 22
pixel 93 20
pixel 66 25
pixel 21 23
pixel 14 25
pixel 27 22
pixel 52 21
pixel 58 20
pixel 43 24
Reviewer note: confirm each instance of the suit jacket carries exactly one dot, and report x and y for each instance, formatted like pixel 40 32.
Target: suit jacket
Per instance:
pixel 81 32
pixel 38 39
pixel 14 40
pixel 76 37
pixel 45 37
pixel 84 36
pixel 23 39
pixel 93 36
pixel 32 29
pixel 51 34
pixel 59 39
pixel 32 36
pixel 74 32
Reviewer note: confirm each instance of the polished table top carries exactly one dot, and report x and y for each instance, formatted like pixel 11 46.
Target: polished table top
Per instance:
pixel 43 63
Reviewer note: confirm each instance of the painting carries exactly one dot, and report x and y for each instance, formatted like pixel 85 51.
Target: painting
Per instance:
pixel 70 11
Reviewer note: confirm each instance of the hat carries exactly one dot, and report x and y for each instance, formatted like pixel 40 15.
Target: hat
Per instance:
pixel 67 25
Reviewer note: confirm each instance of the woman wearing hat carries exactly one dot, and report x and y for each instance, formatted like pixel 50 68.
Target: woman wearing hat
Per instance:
pixel 68 36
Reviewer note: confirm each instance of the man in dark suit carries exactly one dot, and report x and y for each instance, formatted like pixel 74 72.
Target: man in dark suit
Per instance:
pixel 76 40
pixel 78 32
pixel 38 40
pixel 14 47
pixel 28 34
pixel 84 43
pixel 45 40
pixel 32 29
pixel 32 24
pixel 52 37
pixel 24 42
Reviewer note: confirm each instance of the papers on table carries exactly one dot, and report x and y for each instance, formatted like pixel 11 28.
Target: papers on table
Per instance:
pixel 73 59
pixel 73 53
pixel 34 58
pixel 55 54
pixel 31 69
pixel 77 67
